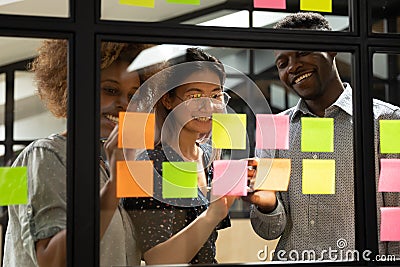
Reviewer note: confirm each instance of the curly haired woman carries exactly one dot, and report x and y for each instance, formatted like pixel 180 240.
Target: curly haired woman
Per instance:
pixel 36 234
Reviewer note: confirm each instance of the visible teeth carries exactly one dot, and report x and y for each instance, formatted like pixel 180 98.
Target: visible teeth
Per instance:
pixel 112 118
pixel 202 118
pixel 303 77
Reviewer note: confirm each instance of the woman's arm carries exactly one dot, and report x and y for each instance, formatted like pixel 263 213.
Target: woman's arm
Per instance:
pixel 183 246
pixel 52 251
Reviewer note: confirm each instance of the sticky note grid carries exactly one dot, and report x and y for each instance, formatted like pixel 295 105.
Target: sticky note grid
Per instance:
pixel 389 178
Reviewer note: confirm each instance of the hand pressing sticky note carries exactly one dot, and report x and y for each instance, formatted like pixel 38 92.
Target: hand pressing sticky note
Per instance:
pixel 179 180
pixel 317 134
pixel 318 176
pixel 142 3
pixel 272 131
pixel 13 186
pixel 135 179
pixel 185 2
pixel 274 4
pixel 273 174
pixel 390 218
pixel 316 5
pixel 136 130
pixel 389 136
pixel 229 131
pixel 389 178
pixel 230 178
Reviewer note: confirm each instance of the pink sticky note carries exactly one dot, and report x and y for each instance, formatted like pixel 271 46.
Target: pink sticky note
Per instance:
pixel 272 131
pixel 389 179
pixel 276 4
pixel 390 218
pixel 230 178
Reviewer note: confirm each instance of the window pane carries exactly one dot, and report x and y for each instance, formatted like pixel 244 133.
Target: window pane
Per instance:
pixel 47 8
pixel 42 163
pixel 385 16
pixel 316 216
pixel 386 86
pixel 217 13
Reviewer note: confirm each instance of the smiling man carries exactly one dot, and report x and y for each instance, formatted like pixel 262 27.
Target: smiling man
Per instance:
pixel 311 225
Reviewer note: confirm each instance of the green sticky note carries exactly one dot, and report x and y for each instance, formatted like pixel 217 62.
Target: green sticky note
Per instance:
pixel 318 176
pixel 229 131
pixel 317 134
pixel 179 179
pixel 143 3
pixel 186 2
pixel 389 136
pixel 13 186
pixel 316 5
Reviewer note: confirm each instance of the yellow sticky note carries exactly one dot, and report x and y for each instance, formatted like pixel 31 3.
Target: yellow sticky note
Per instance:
pixel 273 174
pixel 316 5
pixel 389 136
pixel 135 179
pixel 13 186
pixel 143 3
pixel 136 130
pixel 229 131
pixel 318 176
pixel 317 134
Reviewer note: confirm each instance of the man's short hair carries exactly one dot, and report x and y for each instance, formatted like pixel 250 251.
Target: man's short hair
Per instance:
pixel 304 20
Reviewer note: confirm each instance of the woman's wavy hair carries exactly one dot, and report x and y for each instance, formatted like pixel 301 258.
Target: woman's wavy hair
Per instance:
pixel 50 69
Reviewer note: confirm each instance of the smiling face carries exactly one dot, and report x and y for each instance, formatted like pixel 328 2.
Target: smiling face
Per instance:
pixel 117 88
pixel 195 115
pixel 309 74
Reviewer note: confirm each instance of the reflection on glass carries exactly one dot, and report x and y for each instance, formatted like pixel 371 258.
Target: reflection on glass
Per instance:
pixel 386 82
pixel 267 19
pixel 30 112
pixel 385 16
pixel 386 87
pixel 46 8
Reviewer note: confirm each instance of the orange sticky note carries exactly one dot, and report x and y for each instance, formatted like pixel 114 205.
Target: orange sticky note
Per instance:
pixel 316 5
pixel 273 174
pixel 318 176
pixel 142 3
pixel 135 179
pixel 136 130
pixel 390 218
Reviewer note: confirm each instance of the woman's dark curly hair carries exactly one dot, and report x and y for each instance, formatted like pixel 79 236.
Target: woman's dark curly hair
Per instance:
pixel 50 69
